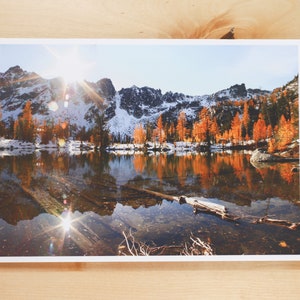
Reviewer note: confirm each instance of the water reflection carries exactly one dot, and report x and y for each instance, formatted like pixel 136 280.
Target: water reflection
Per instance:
pixel 79 205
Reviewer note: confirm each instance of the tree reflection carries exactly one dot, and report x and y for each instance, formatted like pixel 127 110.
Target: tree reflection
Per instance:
pixel 79 204
pixel 139 162
pixel 24 169
pixel 228 176
pixel 87 183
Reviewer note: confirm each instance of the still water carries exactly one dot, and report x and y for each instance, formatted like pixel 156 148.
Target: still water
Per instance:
pixel 56 204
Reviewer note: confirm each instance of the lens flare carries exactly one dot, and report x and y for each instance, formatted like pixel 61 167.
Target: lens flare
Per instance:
pixel 61 142
pixel 66 222
pixel 69 64
pixel 53 106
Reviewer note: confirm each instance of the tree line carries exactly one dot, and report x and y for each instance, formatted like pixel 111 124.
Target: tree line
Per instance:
pixel 28 129
pixel 273 119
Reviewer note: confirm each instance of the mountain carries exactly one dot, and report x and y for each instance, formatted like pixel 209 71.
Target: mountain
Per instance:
pixel 82 103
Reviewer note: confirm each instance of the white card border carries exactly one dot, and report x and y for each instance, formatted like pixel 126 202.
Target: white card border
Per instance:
pixel 172 258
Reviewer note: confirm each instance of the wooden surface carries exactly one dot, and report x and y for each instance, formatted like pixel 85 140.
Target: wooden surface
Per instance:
pixel 150 19
pixel 204 280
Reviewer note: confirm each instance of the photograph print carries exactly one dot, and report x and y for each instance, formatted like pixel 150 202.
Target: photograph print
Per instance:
pixel 125 150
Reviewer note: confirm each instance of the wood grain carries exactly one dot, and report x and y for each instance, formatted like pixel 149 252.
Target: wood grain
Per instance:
pixel 228 280
pixel 150 19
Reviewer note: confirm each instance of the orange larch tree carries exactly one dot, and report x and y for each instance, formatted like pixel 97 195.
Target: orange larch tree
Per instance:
pixel 205 123
pixel 271 145
pixel 196 132
pixel 205 130
pixel 286 133
pixel 161 132
pixel 236 129
pixel 259 129
pixel 158 134
pixel 214 130
pixel 139 134
pixel 181 126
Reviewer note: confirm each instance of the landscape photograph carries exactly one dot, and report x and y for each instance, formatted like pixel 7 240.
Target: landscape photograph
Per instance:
pixel 118 149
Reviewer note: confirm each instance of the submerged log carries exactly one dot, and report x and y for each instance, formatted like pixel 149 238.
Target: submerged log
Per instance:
pixel 198 203
pixel 201 204
pixel 46 201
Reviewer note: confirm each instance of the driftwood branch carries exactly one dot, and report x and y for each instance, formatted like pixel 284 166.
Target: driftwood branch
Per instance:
pixel 198 247
pixel 131 247
pixel 283 223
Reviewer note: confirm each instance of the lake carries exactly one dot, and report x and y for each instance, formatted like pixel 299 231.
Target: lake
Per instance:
pixel 57 204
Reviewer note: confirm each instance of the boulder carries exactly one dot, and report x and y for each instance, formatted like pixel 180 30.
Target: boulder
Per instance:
pixel 260 156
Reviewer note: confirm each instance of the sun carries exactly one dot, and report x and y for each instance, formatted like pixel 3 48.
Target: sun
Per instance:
pixel 70 66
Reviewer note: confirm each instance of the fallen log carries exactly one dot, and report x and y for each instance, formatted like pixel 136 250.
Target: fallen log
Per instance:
pixel 198 203
pixel 201 204
pixel 47 202
pixel 283 223
pixel 54 207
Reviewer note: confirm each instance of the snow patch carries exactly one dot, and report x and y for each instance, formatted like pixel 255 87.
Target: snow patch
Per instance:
pixel 122 123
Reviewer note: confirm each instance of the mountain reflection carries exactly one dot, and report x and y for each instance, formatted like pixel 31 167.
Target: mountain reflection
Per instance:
pixel 15 204
pixel 97 182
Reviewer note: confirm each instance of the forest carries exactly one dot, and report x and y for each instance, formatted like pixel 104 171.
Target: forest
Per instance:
pixel 271 120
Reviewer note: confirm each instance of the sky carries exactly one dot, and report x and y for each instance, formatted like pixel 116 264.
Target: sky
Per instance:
pixel 192 68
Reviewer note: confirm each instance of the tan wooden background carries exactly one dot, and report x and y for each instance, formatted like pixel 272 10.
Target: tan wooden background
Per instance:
pixel 253 19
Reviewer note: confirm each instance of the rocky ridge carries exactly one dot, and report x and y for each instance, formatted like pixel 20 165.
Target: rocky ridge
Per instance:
pixel 81 103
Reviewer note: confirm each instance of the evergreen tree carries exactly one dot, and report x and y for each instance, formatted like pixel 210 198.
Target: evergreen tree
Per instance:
pixel 283 106
pixel 25 127
pixel 100 133
pixel 2 125
pixel 148 131
pixel 171 132
pixel 47 131
pixel 61 130
pixel 29 126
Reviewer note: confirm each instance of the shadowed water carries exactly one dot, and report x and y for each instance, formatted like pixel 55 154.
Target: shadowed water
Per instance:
pixel 58 204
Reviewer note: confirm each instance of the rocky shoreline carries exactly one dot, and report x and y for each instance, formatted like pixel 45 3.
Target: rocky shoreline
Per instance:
pixel 260 157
